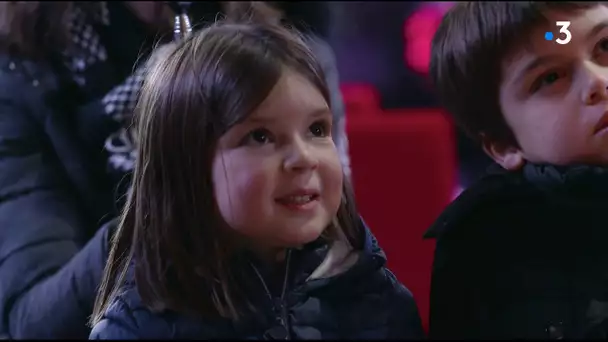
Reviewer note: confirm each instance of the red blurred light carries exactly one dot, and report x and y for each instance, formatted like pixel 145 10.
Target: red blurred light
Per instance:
pixel 418 31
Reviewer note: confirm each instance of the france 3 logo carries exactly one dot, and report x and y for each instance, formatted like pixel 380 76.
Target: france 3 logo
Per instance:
pixel 564 35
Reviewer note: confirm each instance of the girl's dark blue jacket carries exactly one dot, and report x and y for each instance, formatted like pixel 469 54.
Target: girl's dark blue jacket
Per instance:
pixel 332 292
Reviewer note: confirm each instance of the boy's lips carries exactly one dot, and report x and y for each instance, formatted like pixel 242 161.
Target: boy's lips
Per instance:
pixel 602 123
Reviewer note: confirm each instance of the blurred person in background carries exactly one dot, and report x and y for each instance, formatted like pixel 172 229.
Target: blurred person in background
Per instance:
pixel 69 79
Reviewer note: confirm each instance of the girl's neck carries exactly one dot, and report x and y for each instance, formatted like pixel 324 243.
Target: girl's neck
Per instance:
pixel 270 257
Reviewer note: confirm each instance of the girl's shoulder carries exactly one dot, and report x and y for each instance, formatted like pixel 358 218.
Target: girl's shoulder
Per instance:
pixel 128 318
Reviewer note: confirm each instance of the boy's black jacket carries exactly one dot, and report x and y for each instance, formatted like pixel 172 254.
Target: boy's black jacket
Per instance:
pixel 524 255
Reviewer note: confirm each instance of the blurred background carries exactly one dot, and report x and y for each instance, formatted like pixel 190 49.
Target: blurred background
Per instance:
pixel 386 45
pixel 408 159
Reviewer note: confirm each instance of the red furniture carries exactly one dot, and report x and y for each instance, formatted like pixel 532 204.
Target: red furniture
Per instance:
pixel 360 98
pixel 404 172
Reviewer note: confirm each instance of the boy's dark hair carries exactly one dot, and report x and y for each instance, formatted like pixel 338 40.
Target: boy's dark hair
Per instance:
pixel 194 92
pixel 468 50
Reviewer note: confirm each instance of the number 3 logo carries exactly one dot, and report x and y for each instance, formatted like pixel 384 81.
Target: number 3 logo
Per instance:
pixel 564 29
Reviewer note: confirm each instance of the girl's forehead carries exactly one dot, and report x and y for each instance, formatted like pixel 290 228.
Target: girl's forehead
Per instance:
pixel 292 93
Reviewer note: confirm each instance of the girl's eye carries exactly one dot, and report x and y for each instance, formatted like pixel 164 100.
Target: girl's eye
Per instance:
pixel 319 129
pixel 258 137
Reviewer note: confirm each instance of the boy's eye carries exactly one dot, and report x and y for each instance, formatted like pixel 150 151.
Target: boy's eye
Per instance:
pixel 258 137
pixel 546 79
pixel 319 129
pixel 550 78
pixel 603 45
pixel 600 52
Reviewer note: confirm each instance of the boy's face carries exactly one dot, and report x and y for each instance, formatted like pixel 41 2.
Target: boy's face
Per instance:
pixel 554 97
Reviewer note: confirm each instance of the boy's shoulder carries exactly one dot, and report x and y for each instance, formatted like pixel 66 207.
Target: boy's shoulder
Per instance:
pixel 498 197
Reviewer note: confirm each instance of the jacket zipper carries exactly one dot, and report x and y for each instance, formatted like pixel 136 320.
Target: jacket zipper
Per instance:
pixel 278 304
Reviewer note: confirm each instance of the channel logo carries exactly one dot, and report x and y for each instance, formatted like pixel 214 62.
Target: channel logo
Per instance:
pixel 564 35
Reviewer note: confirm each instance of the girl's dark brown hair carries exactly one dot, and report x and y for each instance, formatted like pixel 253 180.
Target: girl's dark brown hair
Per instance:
pixel 170 231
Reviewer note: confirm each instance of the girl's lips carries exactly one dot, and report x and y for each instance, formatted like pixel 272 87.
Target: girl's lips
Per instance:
pixel 299 203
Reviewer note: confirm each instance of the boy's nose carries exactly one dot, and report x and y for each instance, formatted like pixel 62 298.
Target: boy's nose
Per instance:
pixel 596 89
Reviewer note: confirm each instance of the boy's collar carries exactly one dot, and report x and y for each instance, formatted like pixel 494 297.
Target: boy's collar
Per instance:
pixel 582 186
pixel 573 180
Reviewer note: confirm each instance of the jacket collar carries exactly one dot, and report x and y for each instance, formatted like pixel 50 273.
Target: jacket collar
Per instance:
pixel 575 185
pixel 580 181
pixel 321 261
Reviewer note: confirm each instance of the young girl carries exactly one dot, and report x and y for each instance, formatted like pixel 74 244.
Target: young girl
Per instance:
pixel 240 223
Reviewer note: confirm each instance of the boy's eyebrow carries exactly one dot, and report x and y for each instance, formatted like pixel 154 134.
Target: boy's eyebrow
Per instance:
pixel 536 62
pixel 596 29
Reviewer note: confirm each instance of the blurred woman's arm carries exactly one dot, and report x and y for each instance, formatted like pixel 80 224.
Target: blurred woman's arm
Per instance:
pixel 47 279
pixel 325 56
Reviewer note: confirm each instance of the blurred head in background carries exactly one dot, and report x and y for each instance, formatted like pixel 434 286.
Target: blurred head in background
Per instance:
pixel 306 16
pixel 22 21
pixel 32 27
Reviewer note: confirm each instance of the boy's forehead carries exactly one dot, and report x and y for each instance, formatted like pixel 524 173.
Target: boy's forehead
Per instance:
pixel 540 45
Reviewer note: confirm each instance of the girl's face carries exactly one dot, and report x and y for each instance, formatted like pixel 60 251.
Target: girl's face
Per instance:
pixel 277 176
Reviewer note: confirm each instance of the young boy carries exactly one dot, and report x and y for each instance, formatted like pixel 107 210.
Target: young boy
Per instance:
pixel 523 253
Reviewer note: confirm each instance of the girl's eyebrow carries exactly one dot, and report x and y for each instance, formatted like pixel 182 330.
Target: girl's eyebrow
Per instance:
pixel 321 112
pixel 260 119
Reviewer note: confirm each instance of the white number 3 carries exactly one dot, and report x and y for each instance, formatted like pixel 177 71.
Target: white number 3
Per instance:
pixel 564 29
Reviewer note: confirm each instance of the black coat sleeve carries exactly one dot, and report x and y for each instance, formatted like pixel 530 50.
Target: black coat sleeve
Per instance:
pixel 456 303
pixel 47 278
pixel 405 323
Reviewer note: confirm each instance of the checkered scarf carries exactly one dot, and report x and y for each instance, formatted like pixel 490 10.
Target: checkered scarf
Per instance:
pixel 119 103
